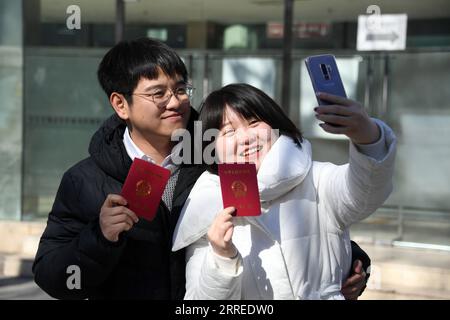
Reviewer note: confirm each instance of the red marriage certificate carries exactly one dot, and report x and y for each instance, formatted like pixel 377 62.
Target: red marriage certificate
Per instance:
pixel 144 187
pixel 240 188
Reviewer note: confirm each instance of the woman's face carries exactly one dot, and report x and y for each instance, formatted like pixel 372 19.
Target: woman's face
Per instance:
pixel 242 140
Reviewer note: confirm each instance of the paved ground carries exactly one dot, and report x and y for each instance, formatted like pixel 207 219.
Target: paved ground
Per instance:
pixel 26 289
pixel 21 289
pixel 386 295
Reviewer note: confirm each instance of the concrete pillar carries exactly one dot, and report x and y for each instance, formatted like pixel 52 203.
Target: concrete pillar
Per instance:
pixel 11 109
pixel 120 20
pixel 287 55
pixel 32 17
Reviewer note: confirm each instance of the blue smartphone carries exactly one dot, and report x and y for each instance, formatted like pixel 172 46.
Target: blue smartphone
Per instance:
pixel 324 75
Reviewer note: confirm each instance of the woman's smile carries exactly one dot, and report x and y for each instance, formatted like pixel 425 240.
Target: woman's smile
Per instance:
pixel 250 151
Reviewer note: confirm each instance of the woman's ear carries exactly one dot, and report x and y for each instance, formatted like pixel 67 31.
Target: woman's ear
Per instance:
pixel 120 105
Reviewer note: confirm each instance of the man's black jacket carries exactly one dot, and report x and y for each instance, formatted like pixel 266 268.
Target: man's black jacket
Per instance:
pixel 141 264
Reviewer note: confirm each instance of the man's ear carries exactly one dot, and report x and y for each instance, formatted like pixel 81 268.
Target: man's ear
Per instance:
pixel 120 105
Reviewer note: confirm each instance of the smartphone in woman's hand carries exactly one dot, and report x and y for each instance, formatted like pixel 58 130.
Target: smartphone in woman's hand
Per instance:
pixel 325 76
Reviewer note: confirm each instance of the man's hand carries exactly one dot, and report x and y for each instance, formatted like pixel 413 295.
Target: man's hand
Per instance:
pixel 221 232
pixel 115 217
pixel 347 117
pixel 355 283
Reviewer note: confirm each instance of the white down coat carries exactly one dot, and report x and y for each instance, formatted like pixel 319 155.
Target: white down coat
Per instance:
pixel 299 248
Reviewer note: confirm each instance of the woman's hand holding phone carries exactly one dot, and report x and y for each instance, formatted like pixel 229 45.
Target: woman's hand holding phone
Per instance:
pixel 345 116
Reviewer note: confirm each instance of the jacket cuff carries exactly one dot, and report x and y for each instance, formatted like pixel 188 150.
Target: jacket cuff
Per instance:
pixel 376 150
pixel 106 242
pixel 379 152
pixel 94 245
pixel 229 266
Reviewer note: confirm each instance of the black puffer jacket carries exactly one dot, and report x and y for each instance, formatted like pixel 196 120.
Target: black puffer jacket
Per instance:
pixel 141 264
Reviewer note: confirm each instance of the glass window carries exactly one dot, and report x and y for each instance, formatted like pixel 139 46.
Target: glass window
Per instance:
pixel 64 107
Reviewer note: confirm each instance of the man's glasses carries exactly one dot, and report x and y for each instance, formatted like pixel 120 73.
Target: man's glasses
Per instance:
pixel 162 96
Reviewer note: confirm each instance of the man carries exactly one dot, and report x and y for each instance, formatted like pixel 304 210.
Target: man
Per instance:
pixel 90 229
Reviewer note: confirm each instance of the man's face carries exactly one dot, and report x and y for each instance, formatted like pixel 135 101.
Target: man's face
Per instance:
pixel 156 109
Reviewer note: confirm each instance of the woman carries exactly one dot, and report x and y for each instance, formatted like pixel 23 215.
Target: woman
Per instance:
pixel 299 248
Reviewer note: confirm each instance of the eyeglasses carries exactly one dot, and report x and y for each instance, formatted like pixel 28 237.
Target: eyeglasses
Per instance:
pixel 162 96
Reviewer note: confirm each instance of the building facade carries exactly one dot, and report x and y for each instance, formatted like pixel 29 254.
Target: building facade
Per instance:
pixel 52 103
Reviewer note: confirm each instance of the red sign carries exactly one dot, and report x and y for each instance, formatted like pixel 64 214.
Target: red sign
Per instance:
pixel 301 30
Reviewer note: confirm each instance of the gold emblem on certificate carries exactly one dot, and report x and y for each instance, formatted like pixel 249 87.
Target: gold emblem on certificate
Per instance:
pixel 143 188
pixel 239 189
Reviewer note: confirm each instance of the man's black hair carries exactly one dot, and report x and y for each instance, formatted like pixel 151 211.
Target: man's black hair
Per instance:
pixel 127 62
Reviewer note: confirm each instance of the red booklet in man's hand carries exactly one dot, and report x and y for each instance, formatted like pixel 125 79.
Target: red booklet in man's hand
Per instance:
pixel 240 188
pixel 144 186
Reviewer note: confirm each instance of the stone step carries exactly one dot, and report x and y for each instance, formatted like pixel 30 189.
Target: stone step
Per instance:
pixel 30 245
pixel 409 272
pixel 17 237
pixel 16 265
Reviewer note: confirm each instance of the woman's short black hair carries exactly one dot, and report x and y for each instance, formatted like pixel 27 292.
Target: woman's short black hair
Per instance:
pixel 127 62
pixel 250 103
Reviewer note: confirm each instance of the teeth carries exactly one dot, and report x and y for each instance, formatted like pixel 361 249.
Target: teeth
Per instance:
pixel 251 151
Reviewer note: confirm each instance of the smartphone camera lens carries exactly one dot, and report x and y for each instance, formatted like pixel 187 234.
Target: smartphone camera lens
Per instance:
pixel 325 71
